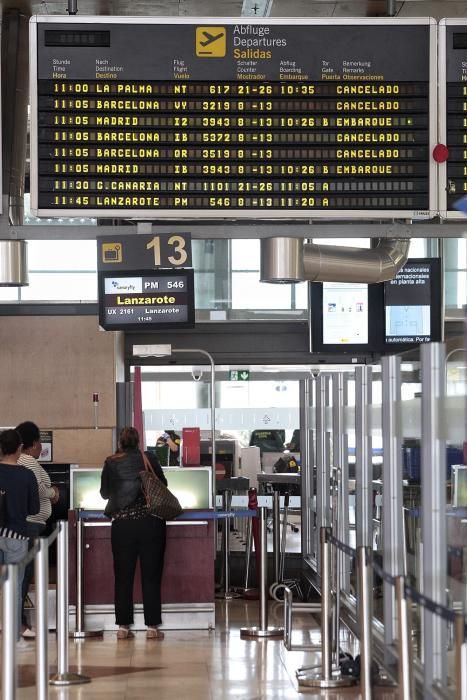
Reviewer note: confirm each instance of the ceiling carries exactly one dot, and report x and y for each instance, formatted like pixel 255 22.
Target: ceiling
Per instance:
pixel 233 8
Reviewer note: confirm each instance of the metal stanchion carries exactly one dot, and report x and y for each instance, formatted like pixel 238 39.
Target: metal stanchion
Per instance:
pixel 227 500
pixel 325 679
pixel 80 631
pixel 406 686
pixel 252 536
pixel 41 578
pixel 364 577
pixel 262 631
pixel 461 658
pixel 10 633
pixel 276 533
pixel 63 677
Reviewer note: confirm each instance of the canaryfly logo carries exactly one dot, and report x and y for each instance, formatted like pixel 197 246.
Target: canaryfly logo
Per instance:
pixel 123 284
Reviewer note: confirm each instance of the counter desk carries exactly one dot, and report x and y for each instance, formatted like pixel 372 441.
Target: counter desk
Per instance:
pixel 188 580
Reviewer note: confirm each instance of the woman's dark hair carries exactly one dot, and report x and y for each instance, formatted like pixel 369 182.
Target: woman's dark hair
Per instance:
pixel 128 439
pixel 29 433
pixel 9 442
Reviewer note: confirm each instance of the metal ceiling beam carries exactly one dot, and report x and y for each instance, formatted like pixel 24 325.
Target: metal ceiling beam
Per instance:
pixel 224 229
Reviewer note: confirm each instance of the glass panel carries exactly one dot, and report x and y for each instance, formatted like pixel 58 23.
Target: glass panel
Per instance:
pixel 417 248
pixel 250 414
pixel 301 295
pixel 456 522
pixel 246 254
pixel 9 293
pixel 377 484
pixel 412 474
pixel 56 286
pixel 248 292
pixel 62 255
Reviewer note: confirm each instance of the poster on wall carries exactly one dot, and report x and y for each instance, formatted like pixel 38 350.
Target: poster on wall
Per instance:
pixel 46 438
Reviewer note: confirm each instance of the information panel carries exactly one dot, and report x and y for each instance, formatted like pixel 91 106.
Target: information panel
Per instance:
pixel 453 114
pixel 240 118
pixel 407 305
pixel 146 300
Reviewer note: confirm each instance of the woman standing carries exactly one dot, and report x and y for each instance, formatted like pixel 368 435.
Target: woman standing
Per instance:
pixel 20 499
pixel 135 534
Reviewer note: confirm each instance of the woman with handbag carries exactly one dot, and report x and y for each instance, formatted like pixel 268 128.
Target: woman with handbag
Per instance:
pixel 135 534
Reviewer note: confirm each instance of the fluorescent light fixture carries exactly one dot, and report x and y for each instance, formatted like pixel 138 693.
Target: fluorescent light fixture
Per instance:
pixel 152 350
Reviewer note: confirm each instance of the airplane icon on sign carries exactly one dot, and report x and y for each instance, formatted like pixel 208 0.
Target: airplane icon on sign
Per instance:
pixel 211 42
pixel 210 38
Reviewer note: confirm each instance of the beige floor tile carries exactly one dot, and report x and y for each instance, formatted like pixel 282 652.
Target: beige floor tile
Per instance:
pixel 194 665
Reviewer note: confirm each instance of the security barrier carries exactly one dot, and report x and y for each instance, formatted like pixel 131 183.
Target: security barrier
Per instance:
pixel 10 617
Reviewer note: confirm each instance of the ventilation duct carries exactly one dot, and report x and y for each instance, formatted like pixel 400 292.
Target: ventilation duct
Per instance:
pixel 285 260
pixel 13 264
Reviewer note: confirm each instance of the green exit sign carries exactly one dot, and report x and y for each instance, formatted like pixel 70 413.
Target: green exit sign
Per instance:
pixel 239 375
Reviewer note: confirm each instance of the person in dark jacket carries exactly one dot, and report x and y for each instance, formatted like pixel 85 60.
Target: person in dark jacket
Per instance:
pixel 135 534
pixel 20 498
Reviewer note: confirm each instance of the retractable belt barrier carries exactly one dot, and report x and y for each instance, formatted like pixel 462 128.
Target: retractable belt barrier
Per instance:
pixel 9 580
pixel 365 562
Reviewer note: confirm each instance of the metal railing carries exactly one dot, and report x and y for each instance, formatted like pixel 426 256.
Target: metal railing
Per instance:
pixel 404 593
pixel 9 581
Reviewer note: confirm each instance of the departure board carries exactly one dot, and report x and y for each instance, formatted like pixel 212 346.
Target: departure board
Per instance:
pixel 453 114
pixel 146 300
pixel 137 117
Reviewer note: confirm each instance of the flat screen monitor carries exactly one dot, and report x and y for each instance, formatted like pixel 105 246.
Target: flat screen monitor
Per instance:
pixel 191 486
pixel 412 304
pixel 459 490
pixel 343 318
pixel 146 299
pixel 381 318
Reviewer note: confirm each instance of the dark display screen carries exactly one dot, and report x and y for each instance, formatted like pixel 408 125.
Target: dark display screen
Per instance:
pixel 146 300
pixel 379 318
pixel 235 118
pixel 407 304
pixel 455 67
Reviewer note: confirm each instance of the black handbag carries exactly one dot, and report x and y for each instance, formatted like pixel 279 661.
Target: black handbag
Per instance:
pixel 160 501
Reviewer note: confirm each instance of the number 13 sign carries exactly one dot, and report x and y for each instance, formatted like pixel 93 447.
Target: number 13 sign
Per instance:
pixel 144 252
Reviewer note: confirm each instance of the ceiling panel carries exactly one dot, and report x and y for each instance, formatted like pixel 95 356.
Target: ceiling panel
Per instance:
pixel 232 8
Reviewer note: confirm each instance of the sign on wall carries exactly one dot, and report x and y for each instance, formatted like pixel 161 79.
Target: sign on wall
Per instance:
pixel 308 118
pixel 143 252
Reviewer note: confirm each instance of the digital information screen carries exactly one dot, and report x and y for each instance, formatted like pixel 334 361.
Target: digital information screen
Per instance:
pixel 407 304
pixel 313 118
pixel 153 300
pixel 380 318
pixel 345 314
pixel 453 118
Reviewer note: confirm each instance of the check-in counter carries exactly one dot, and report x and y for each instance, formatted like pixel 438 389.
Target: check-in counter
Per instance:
pixel 188 578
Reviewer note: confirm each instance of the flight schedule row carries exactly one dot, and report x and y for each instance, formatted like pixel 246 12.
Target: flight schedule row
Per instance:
pixel 248 169
pixel 225 88
pixel 230 137
pixel 182 201
pixel 222 105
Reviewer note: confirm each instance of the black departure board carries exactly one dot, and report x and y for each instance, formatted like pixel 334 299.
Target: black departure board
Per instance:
pixel 453 101
pixel 225 118
pixel 146 300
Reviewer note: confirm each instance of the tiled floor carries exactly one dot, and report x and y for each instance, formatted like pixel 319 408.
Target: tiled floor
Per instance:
pixel 196 665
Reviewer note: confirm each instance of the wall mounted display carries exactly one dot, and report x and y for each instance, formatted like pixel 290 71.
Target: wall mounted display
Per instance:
pixel 146 299
pixel 242 118
pixel 379 318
